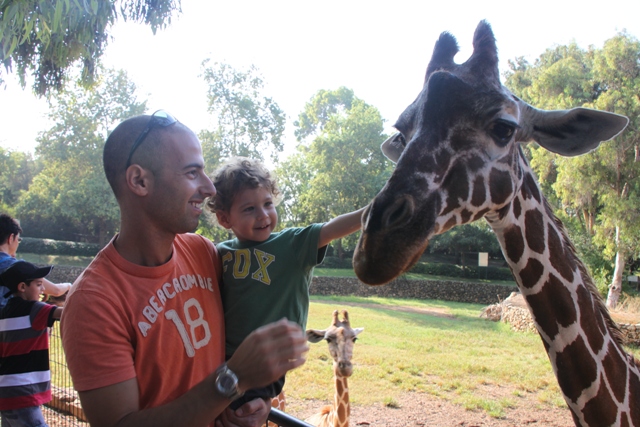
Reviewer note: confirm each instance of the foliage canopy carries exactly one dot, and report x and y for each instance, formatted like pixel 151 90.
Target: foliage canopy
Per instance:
pixel 47 37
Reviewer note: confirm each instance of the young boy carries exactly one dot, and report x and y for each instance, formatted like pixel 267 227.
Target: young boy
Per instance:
pixel 24 346
pixel 266 275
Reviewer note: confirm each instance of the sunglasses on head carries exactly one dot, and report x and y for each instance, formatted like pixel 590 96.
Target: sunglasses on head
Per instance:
pixel 158 119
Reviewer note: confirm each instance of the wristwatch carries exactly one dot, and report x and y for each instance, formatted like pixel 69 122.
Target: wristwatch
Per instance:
pixel 227 383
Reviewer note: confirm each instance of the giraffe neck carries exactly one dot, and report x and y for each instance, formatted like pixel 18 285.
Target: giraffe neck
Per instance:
pixel 340 412
pixel 599 381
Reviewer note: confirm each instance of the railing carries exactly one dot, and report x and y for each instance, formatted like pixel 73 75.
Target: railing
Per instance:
pixel 64 410
pixel 285 420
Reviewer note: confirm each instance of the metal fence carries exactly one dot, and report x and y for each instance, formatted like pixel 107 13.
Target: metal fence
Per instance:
pixel 64 410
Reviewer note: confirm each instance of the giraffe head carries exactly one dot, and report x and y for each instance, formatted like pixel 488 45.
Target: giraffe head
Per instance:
pixel 340 337
pixel 458 155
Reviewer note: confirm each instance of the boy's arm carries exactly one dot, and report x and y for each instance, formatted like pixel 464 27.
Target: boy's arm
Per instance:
pixel 57 312
pixel 340 226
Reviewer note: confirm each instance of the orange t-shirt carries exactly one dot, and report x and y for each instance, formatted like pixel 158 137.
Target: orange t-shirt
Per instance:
pixel 162 325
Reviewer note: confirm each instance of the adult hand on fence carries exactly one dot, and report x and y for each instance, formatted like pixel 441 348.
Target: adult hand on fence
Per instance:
pixel 268 353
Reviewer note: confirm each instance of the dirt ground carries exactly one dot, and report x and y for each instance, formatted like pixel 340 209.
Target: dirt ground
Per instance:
pixel 418 409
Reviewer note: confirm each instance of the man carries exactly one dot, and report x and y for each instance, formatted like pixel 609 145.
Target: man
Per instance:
pixel 10 231
pixel 143 328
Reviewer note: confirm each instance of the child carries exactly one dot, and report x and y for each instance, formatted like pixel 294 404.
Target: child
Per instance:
pixel 266 275
pixel 24 346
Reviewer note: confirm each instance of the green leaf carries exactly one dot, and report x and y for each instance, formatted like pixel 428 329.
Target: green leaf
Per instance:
pixel 57 16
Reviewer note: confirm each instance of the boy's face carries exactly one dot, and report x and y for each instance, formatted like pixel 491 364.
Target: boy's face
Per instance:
pixel 252 215
pixel 33 290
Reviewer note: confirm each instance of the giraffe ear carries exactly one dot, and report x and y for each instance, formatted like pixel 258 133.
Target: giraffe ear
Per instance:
pixel 571 132
pixel 315 335
pixel 393 147
pixel 357 331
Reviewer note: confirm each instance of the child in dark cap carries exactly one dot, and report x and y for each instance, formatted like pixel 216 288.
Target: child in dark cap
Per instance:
pixel 25 378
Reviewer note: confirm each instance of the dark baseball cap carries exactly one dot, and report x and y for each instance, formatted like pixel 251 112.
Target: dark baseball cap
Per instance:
pixel 22 271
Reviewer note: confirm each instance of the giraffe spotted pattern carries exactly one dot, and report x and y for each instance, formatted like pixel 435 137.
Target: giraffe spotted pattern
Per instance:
pixel 458 159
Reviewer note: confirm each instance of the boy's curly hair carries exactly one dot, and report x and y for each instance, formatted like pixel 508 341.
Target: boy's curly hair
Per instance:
pixel 237 174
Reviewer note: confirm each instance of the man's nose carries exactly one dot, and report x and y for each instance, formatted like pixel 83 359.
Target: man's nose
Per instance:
pixel 208 189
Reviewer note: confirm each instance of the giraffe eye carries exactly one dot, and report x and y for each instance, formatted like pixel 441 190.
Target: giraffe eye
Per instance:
pixel 355 339
pixel 328 340
pixel 501 131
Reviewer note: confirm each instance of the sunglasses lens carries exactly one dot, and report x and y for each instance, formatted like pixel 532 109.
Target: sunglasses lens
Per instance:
pixel 162 118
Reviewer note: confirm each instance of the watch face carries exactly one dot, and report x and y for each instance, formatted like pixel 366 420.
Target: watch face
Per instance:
pixel 227 383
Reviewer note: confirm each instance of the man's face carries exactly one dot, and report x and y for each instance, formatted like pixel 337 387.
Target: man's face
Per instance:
pixel 179 186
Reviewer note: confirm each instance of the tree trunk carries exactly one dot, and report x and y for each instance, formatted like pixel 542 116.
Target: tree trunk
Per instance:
pixel 615 288
pixel 339 249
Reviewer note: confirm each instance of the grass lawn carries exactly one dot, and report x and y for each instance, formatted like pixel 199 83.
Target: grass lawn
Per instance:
pixel 451 356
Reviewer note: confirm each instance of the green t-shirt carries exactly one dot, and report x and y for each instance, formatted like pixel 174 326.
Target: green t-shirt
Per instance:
pixel 266 281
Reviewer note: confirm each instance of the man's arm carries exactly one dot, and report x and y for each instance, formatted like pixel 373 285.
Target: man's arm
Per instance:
pixel 55 289
pixel 263 357
pixel 340 226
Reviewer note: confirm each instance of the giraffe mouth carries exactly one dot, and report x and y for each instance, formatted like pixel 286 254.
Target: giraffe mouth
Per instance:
pixel 403 223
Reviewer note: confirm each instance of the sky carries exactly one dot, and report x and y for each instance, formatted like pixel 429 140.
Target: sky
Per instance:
pixel 379 49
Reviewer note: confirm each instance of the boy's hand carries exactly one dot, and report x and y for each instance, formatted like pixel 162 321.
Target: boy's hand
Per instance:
pixel 268 353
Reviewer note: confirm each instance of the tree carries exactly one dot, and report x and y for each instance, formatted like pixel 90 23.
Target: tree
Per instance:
pixel 71 191
pixel 16 172
pixel 247 123
pixel 339 166
pixel 47 37
pixel 601 188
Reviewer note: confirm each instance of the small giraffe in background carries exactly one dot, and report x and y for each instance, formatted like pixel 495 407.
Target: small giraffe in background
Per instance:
pixel 278 402
pixel 458 159
pixel 340 337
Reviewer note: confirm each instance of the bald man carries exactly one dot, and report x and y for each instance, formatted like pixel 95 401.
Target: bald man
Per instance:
pixel 143 327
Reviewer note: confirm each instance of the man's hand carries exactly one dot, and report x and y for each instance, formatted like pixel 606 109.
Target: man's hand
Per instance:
pixel 252 414
pixel 268 353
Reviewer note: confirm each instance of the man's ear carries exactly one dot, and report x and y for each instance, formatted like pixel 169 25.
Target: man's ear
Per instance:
pixel 223 219
pixel 138 179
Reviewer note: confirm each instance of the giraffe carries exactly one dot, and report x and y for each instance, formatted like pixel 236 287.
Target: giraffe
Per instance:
pixel 458 159
pixel 340 337
pixel 278 402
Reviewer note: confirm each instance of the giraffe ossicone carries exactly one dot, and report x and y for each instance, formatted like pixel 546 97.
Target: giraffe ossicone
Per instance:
pixel 458 159
pixel 340 337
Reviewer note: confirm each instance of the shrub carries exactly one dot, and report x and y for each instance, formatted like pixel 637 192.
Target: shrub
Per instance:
pixel 335 262
pixel 34 245
pixel 452 270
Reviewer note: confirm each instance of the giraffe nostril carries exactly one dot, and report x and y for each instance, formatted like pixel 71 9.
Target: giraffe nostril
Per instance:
pixel 399 213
